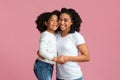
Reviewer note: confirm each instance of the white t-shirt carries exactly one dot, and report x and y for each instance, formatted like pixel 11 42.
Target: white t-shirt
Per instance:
pixel 68 46
pixel 47 46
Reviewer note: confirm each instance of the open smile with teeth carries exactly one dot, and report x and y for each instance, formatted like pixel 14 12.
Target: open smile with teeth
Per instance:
pixel 62 26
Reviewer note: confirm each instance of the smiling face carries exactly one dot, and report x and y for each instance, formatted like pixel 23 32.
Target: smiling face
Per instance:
pixel 65 22
pixel 52 23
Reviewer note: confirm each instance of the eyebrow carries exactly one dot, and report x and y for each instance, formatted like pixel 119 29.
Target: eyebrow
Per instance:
pixel 65 18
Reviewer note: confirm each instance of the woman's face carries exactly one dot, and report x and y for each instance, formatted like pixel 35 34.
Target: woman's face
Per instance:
pixel 65 21
pixel 52 23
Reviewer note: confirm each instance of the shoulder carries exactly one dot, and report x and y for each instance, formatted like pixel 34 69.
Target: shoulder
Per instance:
pixel 77 34
pixel 45 34
pixel 78 38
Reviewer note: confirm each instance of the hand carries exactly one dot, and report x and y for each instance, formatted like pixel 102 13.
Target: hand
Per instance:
pixel 62 59
pixel 40 55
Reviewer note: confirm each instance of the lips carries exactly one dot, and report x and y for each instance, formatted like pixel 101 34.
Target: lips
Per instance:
pixel 54 25
pixel 62 26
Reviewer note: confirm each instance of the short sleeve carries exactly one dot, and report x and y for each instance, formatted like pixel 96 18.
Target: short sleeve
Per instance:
pixel 78 38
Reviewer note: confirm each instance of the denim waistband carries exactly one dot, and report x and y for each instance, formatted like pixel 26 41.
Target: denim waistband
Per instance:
pixel 39 61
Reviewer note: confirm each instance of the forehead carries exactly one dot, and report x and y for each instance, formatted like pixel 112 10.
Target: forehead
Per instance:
pixel 53 17
pixel 65 15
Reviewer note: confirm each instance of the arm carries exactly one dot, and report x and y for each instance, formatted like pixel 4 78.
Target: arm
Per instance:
pixel 55 59
pixel 79 41
pixel 43 46
pixel 40 55
pixel 85 55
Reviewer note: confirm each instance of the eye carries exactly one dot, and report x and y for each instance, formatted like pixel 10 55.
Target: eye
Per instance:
pixel 53 20
pixel 65 20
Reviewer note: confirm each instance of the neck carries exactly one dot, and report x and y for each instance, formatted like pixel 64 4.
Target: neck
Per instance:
pixel 65 33
pixel 53 32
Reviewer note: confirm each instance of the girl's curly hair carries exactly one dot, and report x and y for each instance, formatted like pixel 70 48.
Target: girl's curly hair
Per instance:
pixel 44 17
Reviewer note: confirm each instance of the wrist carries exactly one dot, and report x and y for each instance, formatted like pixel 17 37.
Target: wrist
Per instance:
pixel 54 59
pixel 68 58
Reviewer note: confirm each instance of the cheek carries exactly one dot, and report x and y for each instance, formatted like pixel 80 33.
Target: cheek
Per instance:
pixel 50 22
pixel 68 25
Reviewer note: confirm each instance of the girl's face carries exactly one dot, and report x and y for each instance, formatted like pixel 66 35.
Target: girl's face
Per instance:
pixel 65 22
pixel 52 23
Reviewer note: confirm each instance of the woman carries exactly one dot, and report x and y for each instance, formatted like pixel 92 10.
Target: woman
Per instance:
pixel 69 43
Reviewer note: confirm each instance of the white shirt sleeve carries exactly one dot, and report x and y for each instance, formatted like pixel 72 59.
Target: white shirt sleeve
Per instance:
pixel 43 46
pixel 78 38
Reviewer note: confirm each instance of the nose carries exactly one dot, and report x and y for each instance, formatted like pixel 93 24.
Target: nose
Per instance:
pixel 61 22
pixel 55 22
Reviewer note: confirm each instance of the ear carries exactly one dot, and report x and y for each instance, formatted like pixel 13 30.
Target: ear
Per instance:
pixel 46 23
pixel 71 22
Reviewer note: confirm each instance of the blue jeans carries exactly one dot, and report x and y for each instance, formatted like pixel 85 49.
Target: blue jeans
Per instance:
pixel 43 70
pixel 81 78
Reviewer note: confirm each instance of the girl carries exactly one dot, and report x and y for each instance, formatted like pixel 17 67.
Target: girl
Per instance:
pixel 47 24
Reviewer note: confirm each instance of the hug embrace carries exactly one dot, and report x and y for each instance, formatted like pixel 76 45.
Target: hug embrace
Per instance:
pixel 60 44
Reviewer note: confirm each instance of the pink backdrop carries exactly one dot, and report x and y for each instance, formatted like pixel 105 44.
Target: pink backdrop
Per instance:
pixel 19 36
